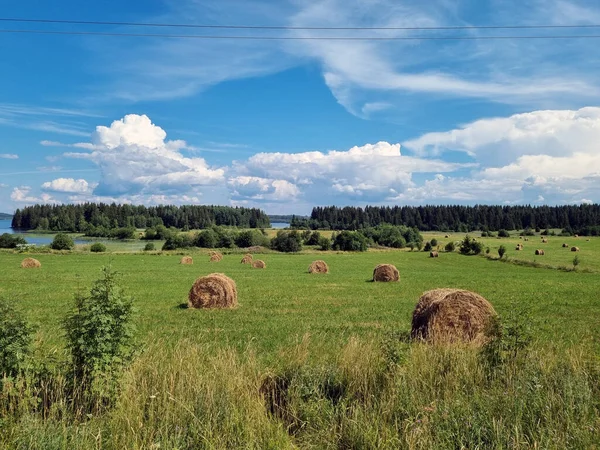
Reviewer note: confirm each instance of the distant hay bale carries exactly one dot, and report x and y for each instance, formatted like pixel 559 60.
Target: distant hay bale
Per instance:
pixel 587 240
pixel 451 315
pixel 215 256
pixel 30 263
pixel 576 236
pixel 539 252
pixel 565 245
pixel 385 273
pixel 259 264
pixel 574 249
pixel 526 239
pixel 544 241
pixel 318 267
pixel 519 247
pixel 520 237
pixel 213 291
pixel 247 259
pixel 447 236
pixel 186 260
pixel 434 254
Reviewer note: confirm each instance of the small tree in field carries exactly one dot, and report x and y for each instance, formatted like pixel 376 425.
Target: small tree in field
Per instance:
pixel 99 334
pixel 501 251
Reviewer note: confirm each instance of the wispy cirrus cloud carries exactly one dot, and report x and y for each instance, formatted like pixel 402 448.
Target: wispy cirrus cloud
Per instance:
pixel 9 156
pixel 51 120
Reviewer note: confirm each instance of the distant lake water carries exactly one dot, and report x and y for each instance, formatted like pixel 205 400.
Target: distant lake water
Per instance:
pixel 279 225
pixel 32 237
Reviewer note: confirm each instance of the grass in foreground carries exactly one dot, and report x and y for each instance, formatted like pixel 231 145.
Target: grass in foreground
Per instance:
pixel 372 394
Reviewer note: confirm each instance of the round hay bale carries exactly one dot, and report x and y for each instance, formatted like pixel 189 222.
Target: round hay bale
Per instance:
pixel 576 236
pixel 385 273
pixel 574 249
pixel 539 252
pixel 450 315
pixel 519 248
pixel 434 254
pixel 30 263
pixel 215 257
pixel 213 291
pixel 186 260
pixel 259 264
pixel 247 259
pixel 526 239
pixel 318 267
pixel 544 241
pixel 447 236
pixel 565 245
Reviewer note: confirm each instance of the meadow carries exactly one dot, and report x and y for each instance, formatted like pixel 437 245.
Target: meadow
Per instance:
pixel 202 368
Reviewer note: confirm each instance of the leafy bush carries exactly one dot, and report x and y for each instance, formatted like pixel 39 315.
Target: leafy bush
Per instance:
pixel 11 240
pixel 450 246
pixel 576 261
pixel 287 241
pixel 98 247
pixel 470 246
pixel 251 238
pixel 207 239
pixel 123 233
pixel 324 243
pixel 434 242
pixel 181 240
pixel 503 234
pixel 527 232
pixel 149 247
pixel 350 241
pixel 62 241
pixel 15 339
pixel 428 247
pixel 99 333
pixel 501 251
pixel 314 239
pixel 395 236
pixel 157 233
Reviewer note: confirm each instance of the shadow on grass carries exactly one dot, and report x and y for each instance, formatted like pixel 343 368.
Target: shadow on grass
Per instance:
pixel 182 306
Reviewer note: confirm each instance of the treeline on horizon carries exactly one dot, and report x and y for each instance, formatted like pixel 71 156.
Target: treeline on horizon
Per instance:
pixel 456 218
pixel 88 217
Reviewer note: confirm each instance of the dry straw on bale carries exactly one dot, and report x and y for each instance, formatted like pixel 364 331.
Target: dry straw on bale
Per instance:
pixel 539 252
pixel 574 249
pixel 318 267
pixel 386 272
pixel 247 259
pixel 447 236
pixel 450 315
pixel 576 235
pixel 544 241
pixel 565 245
pixel 186 260
pixel 519 247
pixel 213 291
pixel 526 239
pixel 434 254
pixel 259 264
pixel 30 263
pixel 215 257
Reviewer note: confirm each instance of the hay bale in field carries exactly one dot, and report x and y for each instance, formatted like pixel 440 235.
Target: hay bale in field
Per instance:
pixel 186 260
pixel 576 236
pixel 434 254
pixel 259 264
pixel 215 256
pixel 544 241
pixel 574 249
pixel 565 245
pixel 520 237
pixel 247 259
pixel 213 291
pixel 526 239
pixel 318 267
pixel 385 273
pixel 519 247
pixel 587 240
pixel 539 252
pixel 30 263
pixel 451 315
pixel 447 236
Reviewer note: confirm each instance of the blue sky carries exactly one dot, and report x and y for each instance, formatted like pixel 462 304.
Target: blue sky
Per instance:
pixel 287 125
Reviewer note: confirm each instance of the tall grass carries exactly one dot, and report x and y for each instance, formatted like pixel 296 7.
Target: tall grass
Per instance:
pixel 370 395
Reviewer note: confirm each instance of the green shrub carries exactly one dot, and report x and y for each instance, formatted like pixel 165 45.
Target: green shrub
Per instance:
pixel 181 240
pixel 350 241
pixel 450 246
pixel 470 246
pixel 207 239
pixel 314 238
pixel 428 247
pixel 251 238
pixel 99 333
pixel 503 234
pixel 11 240
pixel 501 251
pixel 434 242
pixel 287 241
pixel 324 243
pixel 149 247
pixel 98 247
pixel 62 241
pixel 15 339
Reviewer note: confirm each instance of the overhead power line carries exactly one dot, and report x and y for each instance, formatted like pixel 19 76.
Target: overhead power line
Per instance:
pixel 285 27
pixel 297 38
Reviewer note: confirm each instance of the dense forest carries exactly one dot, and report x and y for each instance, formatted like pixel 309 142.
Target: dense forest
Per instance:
pixel 454 217
pixel 80 218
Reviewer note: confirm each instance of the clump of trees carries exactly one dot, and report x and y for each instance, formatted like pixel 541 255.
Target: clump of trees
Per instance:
pixel 470 246
pixel 8 240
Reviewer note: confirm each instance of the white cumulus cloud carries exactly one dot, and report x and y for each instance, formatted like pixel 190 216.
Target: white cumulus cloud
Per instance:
pixel 69 185
pixel 23 194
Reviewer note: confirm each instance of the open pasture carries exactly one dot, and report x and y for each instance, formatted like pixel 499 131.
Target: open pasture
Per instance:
pixel 282 303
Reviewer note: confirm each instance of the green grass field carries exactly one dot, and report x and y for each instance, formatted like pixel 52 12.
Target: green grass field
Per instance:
pixel 282 303
pixel 333 339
